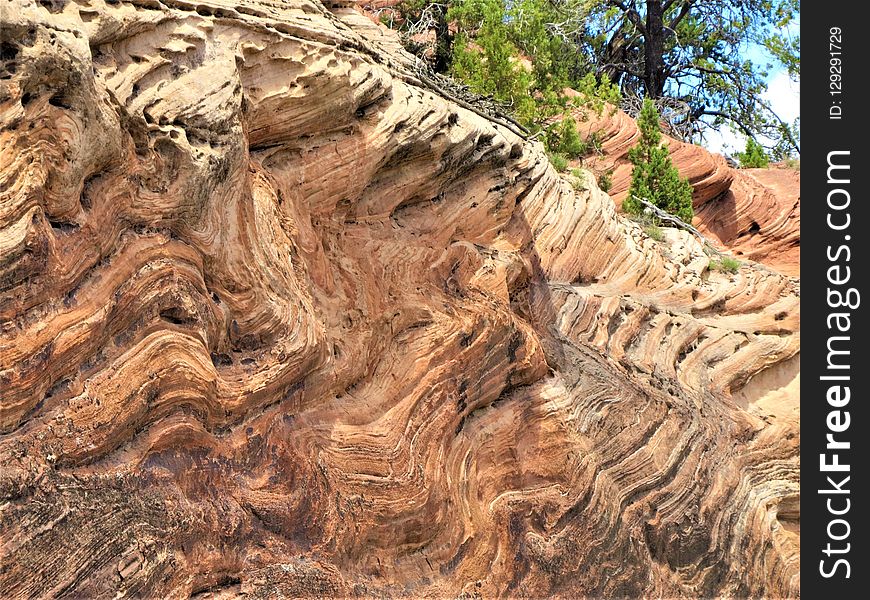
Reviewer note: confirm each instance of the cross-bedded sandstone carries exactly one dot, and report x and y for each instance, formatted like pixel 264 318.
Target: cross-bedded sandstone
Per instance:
pixel 277 319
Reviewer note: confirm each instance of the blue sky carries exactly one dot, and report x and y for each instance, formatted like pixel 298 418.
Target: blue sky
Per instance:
pixel 784 96
pixel 782 93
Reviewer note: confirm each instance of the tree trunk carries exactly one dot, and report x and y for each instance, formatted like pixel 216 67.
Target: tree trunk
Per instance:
pixel 654 50
pixel 443 42
pixel 614 58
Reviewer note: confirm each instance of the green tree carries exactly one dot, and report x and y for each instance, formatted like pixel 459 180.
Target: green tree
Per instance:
pixel 754 157
pixel 693 51
pixel 416 17
pixel 507 50
pixel 486 59
pixel 566 139
pixel 686 53
pixel 654 176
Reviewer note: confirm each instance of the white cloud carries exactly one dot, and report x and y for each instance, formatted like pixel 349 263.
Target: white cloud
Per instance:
pixel 726 141
pixel 784 96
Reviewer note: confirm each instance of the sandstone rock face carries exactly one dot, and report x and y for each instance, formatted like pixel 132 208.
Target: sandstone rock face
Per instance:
pixel 755 213
pixel 280 321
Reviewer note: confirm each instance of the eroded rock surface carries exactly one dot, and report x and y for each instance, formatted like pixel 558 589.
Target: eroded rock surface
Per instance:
pixel 277 319
pixel 754 213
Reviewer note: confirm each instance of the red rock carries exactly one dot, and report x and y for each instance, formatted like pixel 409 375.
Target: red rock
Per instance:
pixel 753 213
pixel 279 320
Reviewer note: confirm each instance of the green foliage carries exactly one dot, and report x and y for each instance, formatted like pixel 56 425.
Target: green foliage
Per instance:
pixel 650 225
pixel 655 232
pixel 485 57
pixel 509 51
pixel 563 137
pixel 793 163
pixel 595 144
pixel 558 160
pixel 654 176
pixel 781 41
pixel 730 265
pixel 578 180
pixel 700 58
pixel 525 53
pixel 597 93
pixel 754 157
pixel 605 181
pixel 725 265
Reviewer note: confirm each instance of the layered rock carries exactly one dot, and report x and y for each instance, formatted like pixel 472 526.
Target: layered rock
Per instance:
pixel 754 213
pixel 280 319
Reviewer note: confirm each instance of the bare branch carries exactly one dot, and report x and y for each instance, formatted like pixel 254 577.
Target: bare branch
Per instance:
pixel 667 217
pixel 684 10
pixel 631 13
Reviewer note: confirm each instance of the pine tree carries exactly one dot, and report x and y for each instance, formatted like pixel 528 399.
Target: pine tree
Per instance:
pixel 754 157
pixel 654 176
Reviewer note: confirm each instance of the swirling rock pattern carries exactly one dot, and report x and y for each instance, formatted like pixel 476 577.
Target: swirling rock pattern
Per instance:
pixel 755 213
pixel 279 321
